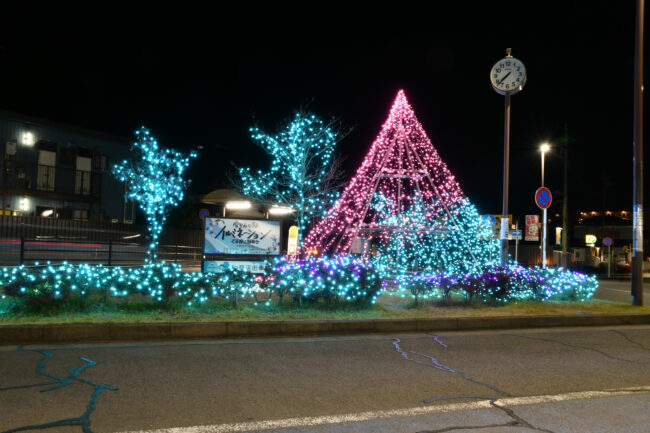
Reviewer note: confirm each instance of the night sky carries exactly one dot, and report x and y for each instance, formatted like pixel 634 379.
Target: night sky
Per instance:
pixel 198 78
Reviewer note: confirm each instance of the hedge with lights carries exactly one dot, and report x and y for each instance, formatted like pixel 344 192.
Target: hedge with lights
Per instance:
pixel 499 284
pixel 341 278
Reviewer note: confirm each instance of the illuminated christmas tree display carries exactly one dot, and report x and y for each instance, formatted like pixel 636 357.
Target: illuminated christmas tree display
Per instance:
pixel 155 180
pixel 405 202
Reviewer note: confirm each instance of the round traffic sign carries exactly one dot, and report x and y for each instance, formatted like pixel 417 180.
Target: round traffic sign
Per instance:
pixel 488 220
pixel 203 213
pixel 608 241
pixel 543 197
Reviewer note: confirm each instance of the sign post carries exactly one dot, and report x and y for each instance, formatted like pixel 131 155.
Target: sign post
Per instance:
pixel 516 235
pixel 543 198
pixel 608 243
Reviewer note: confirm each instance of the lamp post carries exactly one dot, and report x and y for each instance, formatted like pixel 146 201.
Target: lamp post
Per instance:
pixel 545 147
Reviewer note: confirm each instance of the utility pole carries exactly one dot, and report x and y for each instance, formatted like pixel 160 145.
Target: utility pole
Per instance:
pixel 637 236
pixel 565 200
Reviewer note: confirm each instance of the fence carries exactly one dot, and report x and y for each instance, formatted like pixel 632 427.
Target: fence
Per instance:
pixel 26 240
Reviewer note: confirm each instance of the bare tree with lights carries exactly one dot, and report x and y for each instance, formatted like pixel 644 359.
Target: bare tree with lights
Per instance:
pixel 154 179
pixel 304 175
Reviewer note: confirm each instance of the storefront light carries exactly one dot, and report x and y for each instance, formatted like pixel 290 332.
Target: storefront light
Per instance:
pixel 238 205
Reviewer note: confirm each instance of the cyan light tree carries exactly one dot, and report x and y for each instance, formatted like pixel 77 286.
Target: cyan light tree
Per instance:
pixel 154 179
pixel 304 173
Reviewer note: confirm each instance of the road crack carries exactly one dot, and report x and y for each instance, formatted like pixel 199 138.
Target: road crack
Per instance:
pixel 578 346
pixel 629 339
pixel 517 421
pixel 57 382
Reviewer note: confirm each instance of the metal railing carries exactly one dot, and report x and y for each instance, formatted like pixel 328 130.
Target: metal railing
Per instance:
pixel 31 251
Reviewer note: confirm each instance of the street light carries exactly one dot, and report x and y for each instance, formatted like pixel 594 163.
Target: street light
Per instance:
pixel 545 147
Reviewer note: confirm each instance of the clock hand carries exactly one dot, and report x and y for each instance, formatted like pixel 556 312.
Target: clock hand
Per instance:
pixel 504 77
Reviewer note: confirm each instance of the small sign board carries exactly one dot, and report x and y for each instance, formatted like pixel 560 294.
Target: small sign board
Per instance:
pixel 516 234
pixel 543 197
pixel 203 213
pixel 532 228
pixel 607 241
pixel 292 244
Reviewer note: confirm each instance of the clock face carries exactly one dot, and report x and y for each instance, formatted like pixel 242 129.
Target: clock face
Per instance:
pixel 508 76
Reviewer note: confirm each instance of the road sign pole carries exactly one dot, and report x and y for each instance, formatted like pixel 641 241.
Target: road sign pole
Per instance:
pixel 609 261
pixel 543 198
pixel 517 245
pixel 544 240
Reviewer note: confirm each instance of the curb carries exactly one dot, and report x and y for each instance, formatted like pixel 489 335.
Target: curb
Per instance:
pixel 76 333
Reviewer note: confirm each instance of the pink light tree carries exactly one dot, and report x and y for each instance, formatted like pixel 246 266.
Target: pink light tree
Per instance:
pixel 402 169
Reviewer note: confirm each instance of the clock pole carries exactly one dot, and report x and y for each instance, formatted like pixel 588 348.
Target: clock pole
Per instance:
pixel 508 77
pixel 506 181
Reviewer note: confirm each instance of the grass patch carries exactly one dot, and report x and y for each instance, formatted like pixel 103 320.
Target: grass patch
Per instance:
pixel 143 310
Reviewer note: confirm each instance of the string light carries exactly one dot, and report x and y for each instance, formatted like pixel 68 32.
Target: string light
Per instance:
pixel 301 167
pixel 154 179
pixel 400 162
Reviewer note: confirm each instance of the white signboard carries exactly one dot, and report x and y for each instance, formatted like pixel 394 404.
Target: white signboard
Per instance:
pixel 241 236
pixel 217 266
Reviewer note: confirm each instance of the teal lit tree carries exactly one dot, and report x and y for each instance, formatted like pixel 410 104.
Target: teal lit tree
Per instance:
pixel 420 240
pixel 154 179
pixel 304 172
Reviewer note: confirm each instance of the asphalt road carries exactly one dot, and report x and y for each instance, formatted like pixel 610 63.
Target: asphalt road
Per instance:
pixel 620 291
pixel 557 380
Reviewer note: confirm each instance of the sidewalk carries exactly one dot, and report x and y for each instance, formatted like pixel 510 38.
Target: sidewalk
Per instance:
pixel 112 332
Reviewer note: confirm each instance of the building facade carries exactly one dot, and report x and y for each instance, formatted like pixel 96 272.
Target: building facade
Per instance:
pixel 52 170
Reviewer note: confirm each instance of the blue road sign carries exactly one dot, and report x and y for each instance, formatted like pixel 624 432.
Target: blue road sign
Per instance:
pixel 488 220
pixel 543 197
pixel 516 234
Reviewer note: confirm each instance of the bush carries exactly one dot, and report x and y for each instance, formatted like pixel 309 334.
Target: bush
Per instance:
pixel 331 279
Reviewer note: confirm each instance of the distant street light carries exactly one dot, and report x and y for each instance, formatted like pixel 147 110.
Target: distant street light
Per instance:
pixel 545 147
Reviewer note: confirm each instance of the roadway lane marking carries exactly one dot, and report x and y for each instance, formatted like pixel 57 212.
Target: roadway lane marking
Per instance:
pixel 396 413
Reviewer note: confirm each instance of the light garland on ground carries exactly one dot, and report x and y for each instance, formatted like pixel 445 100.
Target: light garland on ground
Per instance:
pixel 499 283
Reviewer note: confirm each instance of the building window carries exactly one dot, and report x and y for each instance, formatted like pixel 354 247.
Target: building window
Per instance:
pixel 80 214
pixel 46 170
pixel 101 161
pixel 82 176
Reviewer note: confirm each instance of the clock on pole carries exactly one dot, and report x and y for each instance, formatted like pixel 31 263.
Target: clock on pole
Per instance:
pixel 508 76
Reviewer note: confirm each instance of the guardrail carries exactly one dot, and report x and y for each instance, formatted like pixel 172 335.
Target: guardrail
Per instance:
pixel 31 251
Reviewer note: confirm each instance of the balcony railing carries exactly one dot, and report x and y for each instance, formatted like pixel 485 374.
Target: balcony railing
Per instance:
pixel 22 176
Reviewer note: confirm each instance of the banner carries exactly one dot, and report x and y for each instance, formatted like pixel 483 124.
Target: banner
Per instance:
pixel 218 266
pixel 532 228
pixel 241 236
